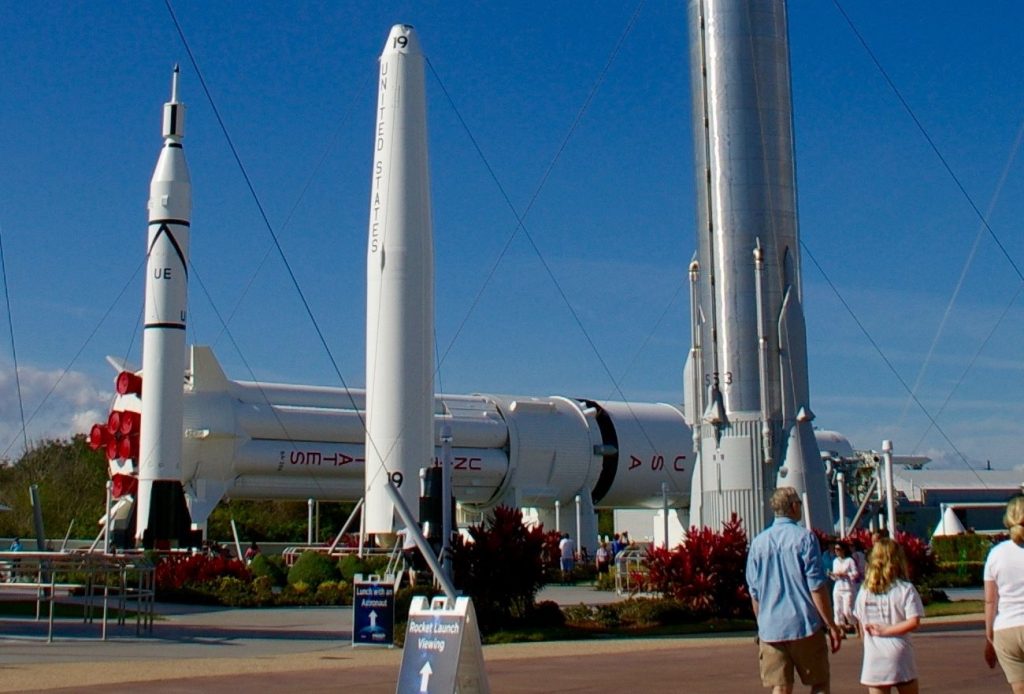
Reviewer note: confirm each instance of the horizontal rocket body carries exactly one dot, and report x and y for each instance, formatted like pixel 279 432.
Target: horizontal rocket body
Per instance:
pixel 533 451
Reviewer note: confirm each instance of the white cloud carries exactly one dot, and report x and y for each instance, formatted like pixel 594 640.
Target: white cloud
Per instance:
pixel 56 404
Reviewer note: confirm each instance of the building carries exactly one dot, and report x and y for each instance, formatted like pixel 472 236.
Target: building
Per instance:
pixel 977 497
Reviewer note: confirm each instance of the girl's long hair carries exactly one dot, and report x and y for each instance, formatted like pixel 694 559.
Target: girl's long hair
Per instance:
pixel 886 564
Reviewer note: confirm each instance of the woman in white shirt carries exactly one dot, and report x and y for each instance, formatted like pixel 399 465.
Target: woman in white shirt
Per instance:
pixel 844 573
pixel 1004 599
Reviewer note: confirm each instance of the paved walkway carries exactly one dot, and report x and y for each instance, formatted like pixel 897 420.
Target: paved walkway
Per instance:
pixel 309 650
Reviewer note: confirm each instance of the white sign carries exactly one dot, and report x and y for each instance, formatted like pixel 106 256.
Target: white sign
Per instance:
pixel 442 649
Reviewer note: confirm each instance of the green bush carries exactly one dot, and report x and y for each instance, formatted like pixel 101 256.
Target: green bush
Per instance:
pixel 634 613
pixel 580 615
pixel 545 615
pixel 352 564
pixel 234 592
pixel 333 593
pixel 298 593
pixel 263 590
pixel 269 567
pixel 606 581
pixel 959 574
pixel 954 549
pixel 643 612
pixel 312 568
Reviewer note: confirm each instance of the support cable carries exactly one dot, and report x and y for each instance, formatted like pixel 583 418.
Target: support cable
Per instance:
pixel 14 351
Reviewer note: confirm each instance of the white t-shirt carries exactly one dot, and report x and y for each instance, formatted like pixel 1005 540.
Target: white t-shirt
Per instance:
pixel 888 659
pixel 567 548
pixel 848 567
pixel 1005 566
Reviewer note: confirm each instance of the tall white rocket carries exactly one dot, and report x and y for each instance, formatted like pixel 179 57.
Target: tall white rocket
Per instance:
pixel 748 395
pixel 400 287
pixel 161 504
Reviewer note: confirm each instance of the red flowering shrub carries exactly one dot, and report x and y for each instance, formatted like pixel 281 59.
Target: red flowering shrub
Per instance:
pixel 920 560
pixel 176 573
pixel 502 568
pixel 552 556
pixel 706 572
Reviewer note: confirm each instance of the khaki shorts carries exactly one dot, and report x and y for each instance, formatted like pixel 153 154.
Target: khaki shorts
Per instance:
pixel 1009 645
pixel 809 656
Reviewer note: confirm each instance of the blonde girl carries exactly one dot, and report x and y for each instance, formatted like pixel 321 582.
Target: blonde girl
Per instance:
pixel 889 608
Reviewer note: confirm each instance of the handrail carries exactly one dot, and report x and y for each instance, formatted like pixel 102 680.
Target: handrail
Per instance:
pixel 112 571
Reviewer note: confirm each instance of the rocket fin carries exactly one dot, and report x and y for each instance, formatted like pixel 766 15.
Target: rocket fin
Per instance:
pixel 697 495
pixel 120 364
pixel 715 412
pixel 207 374
pixel 689 396
pixel 803 470
pixel 203 495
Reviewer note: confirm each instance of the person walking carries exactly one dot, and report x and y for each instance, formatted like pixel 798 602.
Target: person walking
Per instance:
pixel 888 608
pixel 844 573
pixel 1004 599
pixel 602 558
pixel 791 602
pixel 567 552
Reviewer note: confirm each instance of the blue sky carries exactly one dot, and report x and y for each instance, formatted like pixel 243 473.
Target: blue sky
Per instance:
pixel 612 208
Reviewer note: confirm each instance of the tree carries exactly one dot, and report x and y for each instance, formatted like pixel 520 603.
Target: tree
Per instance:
pixel 71 478
pixel 269 520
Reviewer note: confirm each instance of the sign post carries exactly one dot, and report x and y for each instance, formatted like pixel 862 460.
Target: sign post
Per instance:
pixel 373 611
pixel 442 653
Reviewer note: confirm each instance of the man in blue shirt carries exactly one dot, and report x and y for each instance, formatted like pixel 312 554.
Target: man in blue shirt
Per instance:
pixel 791 601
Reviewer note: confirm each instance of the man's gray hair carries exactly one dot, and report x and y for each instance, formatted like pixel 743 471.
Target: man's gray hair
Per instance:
pixel 783 499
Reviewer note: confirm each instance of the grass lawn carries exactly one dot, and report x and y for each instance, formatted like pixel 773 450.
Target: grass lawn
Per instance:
pixel 946 609
pixel 578 633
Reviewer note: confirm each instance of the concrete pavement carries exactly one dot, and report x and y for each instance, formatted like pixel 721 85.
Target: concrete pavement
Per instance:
pixel 308 650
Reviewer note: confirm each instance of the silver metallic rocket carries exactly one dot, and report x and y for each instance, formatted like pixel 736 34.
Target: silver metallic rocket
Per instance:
pixel 400 287
pixel 162 514
pixel 746 377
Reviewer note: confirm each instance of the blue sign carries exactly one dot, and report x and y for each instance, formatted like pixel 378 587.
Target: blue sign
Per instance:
pixel 373 606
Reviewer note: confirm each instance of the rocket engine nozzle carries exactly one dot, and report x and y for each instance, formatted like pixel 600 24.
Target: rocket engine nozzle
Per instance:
pixel 128 383
pixel 99 435
pixel 123 485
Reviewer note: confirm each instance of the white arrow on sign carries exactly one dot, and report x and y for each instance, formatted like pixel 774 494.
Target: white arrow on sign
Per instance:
pixel 373 619
pixel 425 672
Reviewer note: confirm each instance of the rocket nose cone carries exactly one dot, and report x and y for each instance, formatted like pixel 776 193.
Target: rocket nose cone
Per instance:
pixel 402 39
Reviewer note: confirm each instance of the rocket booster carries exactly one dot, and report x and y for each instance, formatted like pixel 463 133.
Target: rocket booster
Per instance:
pixel 400 287
pixel 161 510
pixel 747 373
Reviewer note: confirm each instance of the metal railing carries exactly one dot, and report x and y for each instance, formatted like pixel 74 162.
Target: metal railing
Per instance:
pixel 631 570
pixel 105 583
